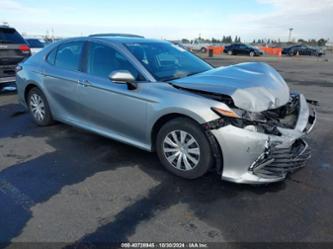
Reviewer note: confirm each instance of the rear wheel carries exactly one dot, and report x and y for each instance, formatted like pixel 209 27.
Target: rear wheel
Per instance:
pixel 39 107
pixel 184 149
pixel 230 52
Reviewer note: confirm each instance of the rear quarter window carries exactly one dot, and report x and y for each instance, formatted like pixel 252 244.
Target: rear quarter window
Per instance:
pixel 51 56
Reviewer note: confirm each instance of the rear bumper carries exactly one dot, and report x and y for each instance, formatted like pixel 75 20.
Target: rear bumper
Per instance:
pixel 255 158
pixel 7 79
pixel 7 73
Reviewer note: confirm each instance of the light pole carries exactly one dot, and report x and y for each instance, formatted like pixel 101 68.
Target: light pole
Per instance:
pixel 290 31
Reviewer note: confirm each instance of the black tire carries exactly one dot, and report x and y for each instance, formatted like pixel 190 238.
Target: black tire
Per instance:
pixel 47 117
pixel 230 52
pixel 205 160
pixel 252 54
pixel 203 50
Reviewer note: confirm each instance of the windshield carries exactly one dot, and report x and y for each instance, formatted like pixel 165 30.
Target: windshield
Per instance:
pixel 167 61
pixel 35 43
pixel 8 35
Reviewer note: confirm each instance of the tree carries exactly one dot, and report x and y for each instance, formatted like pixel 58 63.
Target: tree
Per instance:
pixel 185 41
pixel 322 42
pixel 312 42
pixel 301 40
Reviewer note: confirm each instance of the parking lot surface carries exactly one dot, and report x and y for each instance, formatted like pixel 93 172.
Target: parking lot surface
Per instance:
pixel 62 184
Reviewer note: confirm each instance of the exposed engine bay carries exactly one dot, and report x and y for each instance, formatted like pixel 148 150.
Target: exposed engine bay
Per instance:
pixel 267 121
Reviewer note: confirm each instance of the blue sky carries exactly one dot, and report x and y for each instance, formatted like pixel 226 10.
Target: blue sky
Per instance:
pixel 173 19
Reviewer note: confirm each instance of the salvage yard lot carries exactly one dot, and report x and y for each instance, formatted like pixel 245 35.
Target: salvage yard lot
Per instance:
pixel 61 184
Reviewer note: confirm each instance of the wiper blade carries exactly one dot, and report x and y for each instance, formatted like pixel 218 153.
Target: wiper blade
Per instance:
pixel 183 76
pixel 179 77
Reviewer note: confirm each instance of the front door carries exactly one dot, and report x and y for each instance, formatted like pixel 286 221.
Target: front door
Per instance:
pixel 108 106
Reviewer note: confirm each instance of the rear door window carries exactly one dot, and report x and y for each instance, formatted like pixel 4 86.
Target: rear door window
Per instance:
pixel 9 35
pixel 69 56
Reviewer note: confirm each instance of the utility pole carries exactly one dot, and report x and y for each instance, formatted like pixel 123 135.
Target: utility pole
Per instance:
pixel 290 31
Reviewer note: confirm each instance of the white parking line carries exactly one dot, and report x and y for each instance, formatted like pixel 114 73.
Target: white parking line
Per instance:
pixel 15 194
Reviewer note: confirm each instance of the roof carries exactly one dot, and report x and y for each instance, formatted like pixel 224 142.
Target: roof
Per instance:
pixel 5 26
pixel 125 39
pixel 117 35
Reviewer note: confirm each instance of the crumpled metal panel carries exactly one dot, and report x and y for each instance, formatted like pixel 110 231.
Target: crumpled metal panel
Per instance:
pixel 253 86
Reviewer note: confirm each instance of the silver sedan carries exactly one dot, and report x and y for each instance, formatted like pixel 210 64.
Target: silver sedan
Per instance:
pixel 241 120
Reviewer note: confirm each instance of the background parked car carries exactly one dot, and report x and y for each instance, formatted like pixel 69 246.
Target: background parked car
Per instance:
pixel 302 50
pixel 35 45
pixel 13 50
pixel 197 46
pixel 242 49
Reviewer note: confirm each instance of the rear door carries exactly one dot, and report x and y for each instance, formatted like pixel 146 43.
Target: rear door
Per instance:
pixel 235 49
pixel 243 49
pixel 13 50
pixel 306 50
pixel 61 76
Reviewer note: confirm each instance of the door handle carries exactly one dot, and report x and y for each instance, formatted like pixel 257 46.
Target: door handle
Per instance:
pixel 84 83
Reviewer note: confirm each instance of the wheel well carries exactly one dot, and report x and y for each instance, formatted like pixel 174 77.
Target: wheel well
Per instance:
pixel 160 122
pixel 217 151
pixel 27 90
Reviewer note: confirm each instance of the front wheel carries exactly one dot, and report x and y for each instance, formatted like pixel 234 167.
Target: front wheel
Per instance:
pixel 252 54
pixel 184 149
pixel 230 52
pixel 39 107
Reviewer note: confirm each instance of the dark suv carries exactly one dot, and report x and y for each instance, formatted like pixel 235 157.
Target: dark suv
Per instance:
pixel 13 50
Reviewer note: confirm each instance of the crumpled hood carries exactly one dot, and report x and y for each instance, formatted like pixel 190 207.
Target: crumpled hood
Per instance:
pixel 253 86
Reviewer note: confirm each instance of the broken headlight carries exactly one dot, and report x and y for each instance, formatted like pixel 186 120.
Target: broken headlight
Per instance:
pixel 255 122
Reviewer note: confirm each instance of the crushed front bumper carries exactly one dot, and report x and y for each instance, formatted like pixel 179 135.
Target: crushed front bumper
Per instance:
pixel 278 162
pixel 257 158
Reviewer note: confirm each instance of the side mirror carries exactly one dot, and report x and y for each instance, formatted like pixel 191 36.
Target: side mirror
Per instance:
pixel 123 77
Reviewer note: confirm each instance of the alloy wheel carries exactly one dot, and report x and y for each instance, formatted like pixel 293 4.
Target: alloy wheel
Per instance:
pixel 37 107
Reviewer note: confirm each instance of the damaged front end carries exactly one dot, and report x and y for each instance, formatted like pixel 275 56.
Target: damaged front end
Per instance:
pixel 278 162
pixel 264 147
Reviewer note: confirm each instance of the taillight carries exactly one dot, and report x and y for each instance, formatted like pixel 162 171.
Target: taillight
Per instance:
pixel 24 48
